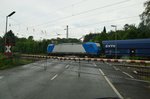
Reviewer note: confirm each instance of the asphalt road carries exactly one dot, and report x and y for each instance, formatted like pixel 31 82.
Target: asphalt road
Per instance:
pixel 54 79
pixel 126 82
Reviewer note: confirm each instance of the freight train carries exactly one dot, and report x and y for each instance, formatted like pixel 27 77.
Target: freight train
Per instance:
pixel 109 48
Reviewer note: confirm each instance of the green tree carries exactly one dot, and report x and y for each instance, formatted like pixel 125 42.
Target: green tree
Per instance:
pixel 131 32
pixel 104 30
pixel 10 38
pixel 1 45
pixel 90 37
pixel 144 26
pixel 145 16
pixel 30 38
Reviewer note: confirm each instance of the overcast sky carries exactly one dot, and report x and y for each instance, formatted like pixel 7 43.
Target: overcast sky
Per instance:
pixel 47 18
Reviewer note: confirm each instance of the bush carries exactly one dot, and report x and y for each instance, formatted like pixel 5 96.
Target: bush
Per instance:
pixel 5 62
pixel 13 61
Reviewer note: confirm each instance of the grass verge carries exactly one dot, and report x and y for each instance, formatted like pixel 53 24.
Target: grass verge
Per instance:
pixel 11 62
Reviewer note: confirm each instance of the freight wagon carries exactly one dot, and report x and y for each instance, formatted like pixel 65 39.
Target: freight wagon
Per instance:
pixel 134 47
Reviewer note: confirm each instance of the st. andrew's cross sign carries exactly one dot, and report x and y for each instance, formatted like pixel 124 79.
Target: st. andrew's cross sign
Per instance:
pixel 8 51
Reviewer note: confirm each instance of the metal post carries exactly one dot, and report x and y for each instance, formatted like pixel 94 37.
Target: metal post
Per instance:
pixel 6 28
pixel 7 23
pixel 116 42
pixel 45 65
pixel 79 69
pixel 67 32
pixel 7 19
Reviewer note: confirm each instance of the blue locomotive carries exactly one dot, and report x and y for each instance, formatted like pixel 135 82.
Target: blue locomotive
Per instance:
pixel 89 49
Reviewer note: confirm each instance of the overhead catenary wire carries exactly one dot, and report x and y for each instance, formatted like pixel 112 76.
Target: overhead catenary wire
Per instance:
pixel 100 23
pixel 76 3
pixel 105 21
pixel 118 19
pixel 88 16
pixel 62 8
pixel 54 21
pixel 33 28
pixel 74 15
pixel 83 12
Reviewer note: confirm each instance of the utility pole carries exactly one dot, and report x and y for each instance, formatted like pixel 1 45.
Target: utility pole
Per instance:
pixel 66 32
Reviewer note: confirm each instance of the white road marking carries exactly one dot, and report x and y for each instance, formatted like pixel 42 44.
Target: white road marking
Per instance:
pixel 25 66
pixel 135 71
pixel 108 64
pixel 67 66
pixel 71 62
pixel 128 74
pixel 94 64
pixel 54 77
pixel 138 80
pixel 116 68
pixel 1 77
pixel 101 72
pixel 111 85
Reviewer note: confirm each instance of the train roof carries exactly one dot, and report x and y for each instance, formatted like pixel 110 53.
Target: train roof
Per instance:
pixel 128 41
pixel 97 44
pixel 68 43
pixel 75 43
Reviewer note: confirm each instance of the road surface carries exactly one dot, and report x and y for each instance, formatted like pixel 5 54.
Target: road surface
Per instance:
pixel 54 79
